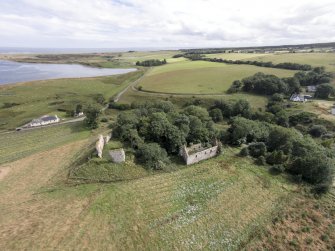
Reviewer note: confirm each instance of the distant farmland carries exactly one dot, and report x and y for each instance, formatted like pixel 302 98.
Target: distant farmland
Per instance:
pixel 200 77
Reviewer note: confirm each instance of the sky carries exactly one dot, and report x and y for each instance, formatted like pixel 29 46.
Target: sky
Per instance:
pixel 164 23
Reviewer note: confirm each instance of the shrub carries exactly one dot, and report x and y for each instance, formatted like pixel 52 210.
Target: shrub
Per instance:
pixel 152 156
pixel 104 120
pixel 261 161
pixel 257 149
pixel 317 130
pixel 244 152
pixel 92 115
pixel 276 157
pixel 277 169
pixel 216 115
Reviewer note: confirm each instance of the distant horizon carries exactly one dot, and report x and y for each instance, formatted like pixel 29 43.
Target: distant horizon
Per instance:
pixel 5 49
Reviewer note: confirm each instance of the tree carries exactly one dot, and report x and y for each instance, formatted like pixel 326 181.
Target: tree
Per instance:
pixel 315 168
pixel 257 149
pixel 92 116
pixel 276 157
pixel 152 156
pixel 324 91
pixel 216 115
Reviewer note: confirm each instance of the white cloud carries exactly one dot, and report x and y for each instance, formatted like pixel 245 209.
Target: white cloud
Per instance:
pixel 164 23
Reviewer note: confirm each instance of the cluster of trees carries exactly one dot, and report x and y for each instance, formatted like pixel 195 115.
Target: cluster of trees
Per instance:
pixel 285 149
pixel 155 129
pixel 194 56
pixel 286 65
pixel 268 84
pixel 151 62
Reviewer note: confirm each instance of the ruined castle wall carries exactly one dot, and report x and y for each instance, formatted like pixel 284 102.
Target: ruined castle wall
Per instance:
pixel 202 155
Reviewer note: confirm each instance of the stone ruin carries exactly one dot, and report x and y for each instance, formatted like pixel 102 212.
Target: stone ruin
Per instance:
pixel 99 145
pixel 197 152
pixel 108 138
pixel 117 155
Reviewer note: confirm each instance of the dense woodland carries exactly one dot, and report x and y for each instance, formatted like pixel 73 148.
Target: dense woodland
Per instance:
pixel 298 144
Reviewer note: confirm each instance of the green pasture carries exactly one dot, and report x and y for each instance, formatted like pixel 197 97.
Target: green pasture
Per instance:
pixel 315 59
pixel 200 77
pixel 16 145
pixel 52 96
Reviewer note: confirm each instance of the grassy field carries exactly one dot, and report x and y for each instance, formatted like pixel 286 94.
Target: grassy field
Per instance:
pixel 17 145
pixel 315 59
pixel 42 97
pixel 200 77
pixel 215 205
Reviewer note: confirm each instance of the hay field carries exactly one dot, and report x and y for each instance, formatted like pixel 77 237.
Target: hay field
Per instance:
pixel 213 205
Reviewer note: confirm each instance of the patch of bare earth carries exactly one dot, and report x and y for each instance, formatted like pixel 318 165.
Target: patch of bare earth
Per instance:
pixel 30 219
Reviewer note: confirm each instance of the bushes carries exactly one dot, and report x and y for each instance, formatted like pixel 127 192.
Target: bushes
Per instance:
pixel 216 115
pixel 257 149
pixel 151 62
pixel 152 156
pixel 324 91
pixel 317 130
pixel 92 116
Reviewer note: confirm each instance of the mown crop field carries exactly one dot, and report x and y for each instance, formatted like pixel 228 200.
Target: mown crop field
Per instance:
pixel 201 77
pixel 17 145
pixel 216 205
pixel 38 98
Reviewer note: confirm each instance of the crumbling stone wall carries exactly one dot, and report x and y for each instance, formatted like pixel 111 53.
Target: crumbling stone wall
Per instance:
pixel 191 156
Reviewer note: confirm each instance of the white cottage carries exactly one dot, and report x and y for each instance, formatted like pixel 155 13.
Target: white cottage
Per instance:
pixel 298 98
pixel 44 120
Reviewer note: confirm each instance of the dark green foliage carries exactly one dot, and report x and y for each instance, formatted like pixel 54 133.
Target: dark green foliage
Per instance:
pixel 277 169
pixel 317 130
pixel 9 105
pixel 314 167
pixel 260 161
pixel 282 119
pixel 178 56
pixel 269 84
pixel 324 91
pixel 99 98
pixel 216 115
pixel 285 65
pixel 152 156
pixel 198 112
pixel 277 97
pixel 276 157
pixel 257 149
pixel 304 118
pixel 235 87
pixel 79 108
pixel 92 115
pixel 243 130
pixel 118 106
pixel 194 57
pixel 234 108
pixel 151 62
pixel 315 77
pixel 244 152
pixel 104 120
pixel 264 84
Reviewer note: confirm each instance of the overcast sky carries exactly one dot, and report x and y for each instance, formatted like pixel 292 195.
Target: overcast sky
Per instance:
pixel 164 23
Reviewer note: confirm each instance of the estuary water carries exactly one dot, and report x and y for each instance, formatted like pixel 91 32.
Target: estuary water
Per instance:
pixel 14 72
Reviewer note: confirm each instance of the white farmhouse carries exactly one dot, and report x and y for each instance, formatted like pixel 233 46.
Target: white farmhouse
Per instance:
pixel 298 98
pixel 44 120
